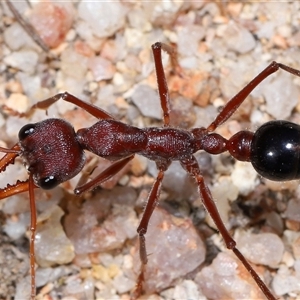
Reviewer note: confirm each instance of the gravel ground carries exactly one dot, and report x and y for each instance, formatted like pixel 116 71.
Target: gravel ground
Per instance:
pixel 100 52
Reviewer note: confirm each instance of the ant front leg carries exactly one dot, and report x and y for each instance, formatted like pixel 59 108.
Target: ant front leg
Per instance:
pixel 90 108
pixel 192 167
pixel 240 97
pixel 7 159
pixel 20 187
pixel 31 187
pixel 17 188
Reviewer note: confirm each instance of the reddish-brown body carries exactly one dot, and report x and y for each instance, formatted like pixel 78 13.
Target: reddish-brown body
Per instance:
pixel 114 140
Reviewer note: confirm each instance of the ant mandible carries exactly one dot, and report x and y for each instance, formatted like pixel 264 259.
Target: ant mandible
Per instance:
pixel 53 153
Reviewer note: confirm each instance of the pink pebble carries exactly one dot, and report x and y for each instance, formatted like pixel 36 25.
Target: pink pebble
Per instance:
pixel 52 22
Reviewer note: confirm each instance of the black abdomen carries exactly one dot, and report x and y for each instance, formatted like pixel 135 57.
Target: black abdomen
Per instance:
pixel 275 151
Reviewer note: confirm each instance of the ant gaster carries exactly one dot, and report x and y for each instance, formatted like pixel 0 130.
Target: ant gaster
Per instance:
pixel 53 153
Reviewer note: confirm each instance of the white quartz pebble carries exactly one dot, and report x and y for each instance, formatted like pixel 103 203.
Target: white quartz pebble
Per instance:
pixel 264 248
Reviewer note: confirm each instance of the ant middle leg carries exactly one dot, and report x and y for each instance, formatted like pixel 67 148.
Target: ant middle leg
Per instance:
pixel 151 203
pixel 192 167
pixel 105 175
pixel 163 90
pixel 162 166
pixel 233 104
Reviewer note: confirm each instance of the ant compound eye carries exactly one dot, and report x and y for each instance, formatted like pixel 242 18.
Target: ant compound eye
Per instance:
pixel 25 131
pixel 48 183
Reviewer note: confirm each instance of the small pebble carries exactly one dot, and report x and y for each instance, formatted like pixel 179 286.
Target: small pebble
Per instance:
pixel 52 21
pixel 175 247
pixel 227 278
pixel 51 244
pixel 24 60
pixel 147 101
pixel 281 96
pixel 104 18
pixel 238 38
pixel 241 171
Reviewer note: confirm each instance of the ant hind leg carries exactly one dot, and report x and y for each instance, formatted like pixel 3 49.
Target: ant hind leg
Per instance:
pixel 233 104
pixel 192 167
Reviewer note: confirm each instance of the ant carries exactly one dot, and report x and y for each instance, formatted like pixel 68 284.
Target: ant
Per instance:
pixel 53 153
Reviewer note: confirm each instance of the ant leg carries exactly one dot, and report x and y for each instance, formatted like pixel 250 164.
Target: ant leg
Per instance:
pixel 17 188
pixel 87 172
pixel 15 149
pixel 9 157
pixel 31 186
pixel 90 108
pixel 192 167
pixel 143 226
pixel 239 98
pixel 20 187
pixel 103 176
pixel 161 79
pixel 150 206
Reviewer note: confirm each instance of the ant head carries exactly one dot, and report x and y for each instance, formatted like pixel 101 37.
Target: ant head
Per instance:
pixel 51 152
